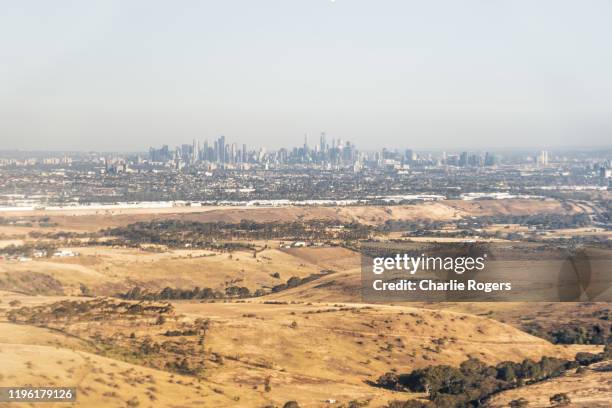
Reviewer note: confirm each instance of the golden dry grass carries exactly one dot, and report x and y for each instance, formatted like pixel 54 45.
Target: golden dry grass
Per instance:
pixel 107 271
pixel 312 343
pixel 104 382
pixel 307 352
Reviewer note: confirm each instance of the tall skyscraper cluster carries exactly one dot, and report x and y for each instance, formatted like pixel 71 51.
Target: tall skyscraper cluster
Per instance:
pixel 217 152
pixel 333 154
pixel 223 153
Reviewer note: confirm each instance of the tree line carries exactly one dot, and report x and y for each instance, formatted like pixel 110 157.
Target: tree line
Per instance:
pixel 177 233
pixel 470 384
pixel 230 292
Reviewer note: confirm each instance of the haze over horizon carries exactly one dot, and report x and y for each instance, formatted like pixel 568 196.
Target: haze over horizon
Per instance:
pixel 122 76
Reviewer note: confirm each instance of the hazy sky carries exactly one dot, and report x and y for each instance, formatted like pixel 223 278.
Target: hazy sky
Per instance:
pixel 123 75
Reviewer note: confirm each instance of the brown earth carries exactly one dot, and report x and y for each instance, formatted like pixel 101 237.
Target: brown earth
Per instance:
pixel 312 343
pixel 93 220
pixel 307 352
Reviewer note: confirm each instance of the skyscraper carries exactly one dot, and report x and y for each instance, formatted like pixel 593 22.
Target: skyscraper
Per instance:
pixel 195 151
pixel 409 156
pixel 222 149
pixel 543 158
pixel 490 159
pixel 204 155
pixel 323 143
pixel 463 159
pixel 232 156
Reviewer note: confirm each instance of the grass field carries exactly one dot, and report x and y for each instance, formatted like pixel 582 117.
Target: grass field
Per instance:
pixel 317 343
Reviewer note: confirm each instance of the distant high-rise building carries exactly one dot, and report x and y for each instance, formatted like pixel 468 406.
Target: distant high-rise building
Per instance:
pixel 543 158
pixel 160 155
pixel 323 143
pixel 186 152
pixel 490 159
pixel 221 143
pixel 195 151
pixel 204 153
pixel 475 160
pixel 409 156
pixel 233 153
pixel 348 153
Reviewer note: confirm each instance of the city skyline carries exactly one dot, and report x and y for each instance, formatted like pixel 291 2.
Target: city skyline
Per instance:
pixel 201 144
pixel 288 145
